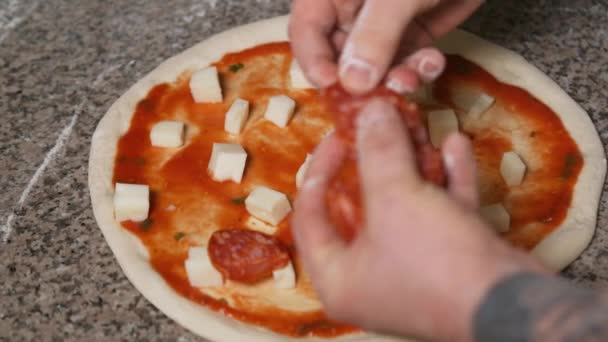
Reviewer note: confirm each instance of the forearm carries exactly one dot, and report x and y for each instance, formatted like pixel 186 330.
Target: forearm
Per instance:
pixel 536 307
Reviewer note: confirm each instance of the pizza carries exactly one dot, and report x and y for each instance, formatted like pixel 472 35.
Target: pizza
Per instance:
pixel 193 171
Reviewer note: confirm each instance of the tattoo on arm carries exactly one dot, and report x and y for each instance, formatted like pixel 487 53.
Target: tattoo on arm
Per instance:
pixel 532 307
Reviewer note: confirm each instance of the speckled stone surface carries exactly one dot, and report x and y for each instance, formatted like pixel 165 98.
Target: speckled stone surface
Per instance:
pixel 62 64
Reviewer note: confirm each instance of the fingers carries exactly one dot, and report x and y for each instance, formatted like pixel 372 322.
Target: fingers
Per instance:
pixel 403 80
pixel 316 239
pixel 310 25
pixel 373 42
pixel 386 158
pixel 425 65
pixel 460 166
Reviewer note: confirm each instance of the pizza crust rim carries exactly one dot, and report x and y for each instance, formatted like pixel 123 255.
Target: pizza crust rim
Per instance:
pixel 557 250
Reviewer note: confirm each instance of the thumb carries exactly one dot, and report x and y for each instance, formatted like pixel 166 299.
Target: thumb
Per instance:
pixel 387 162
pixel 460 165
pixel 316 239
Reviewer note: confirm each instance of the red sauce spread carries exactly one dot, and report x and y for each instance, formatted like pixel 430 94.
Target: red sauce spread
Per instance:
pixel 541 202
pixel 183 194
pixel 187 206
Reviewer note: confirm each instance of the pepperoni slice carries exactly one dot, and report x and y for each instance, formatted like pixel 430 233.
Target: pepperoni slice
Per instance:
pixel 344 196
pixel 246 256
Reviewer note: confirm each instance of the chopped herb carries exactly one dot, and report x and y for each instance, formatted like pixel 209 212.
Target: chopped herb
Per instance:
pixel 146 224
pixel 569 165
pixel 238 200
pixel 178 236
pixel 236 67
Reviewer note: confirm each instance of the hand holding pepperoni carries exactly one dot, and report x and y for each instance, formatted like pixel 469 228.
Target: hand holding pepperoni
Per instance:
pixel 343 194
pixel 372 38
pixel 424 258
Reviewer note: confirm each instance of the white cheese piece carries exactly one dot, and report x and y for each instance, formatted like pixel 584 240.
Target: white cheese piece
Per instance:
pixel 167 134
pixel 512 169
pixel 284 278
pixel 481 105
pixel 258 225
pixel 441 124
pixel 200 270
pixel 205 86
pixel 268 205
pixel 227 162
pixel 302 170
pixel 297 77
pixel 131 202
pixel 497 216
pixel 280 110
pixel 236 116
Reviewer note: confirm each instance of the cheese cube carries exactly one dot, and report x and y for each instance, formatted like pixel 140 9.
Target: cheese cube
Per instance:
pixel 302 170
pixel 131 202
pixel 441 124
pixel 512 169
pixel 280 110
pixel 481 105
pixel 297 77
pixel 205 86
pixel 284 278
pixel 497 216
pixel 227 162
pixel 268 205
pixel 200 270
pixel 236 116
pixel 167 134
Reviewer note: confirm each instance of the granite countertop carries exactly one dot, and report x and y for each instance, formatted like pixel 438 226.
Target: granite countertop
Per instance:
pixel 63 63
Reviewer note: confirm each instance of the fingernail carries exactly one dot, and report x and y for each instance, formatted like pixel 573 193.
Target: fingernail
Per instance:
pixel 371 114
pixel 374 115
pixel 429 69
pixel 398 87
pixel 357 74
pixel 311 183
pixel 448 161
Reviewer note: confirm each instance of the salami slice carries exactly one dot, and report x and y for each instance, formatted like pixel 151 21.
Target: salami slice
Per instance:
pixel 343 196
pixel 246 256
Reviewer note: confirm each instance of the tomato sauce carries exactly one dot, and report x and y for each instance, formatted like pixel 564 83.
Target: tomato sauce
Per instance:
pixel 187 205
pixel 541 203
pixel 178 178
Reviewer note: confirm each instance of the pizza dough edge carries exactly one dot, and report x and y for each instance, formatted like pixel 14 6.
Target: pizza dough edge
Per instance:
pixel 562 246
pixel 557 250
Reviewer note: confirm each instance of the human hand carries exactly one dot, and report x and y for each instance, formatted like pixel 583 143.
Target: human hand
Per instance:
pixel 372 36
pixel 424 259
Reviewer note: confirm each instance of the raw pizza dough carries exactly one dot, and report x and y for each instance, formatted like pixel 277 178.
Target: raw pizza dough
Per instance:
pixel 557 250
